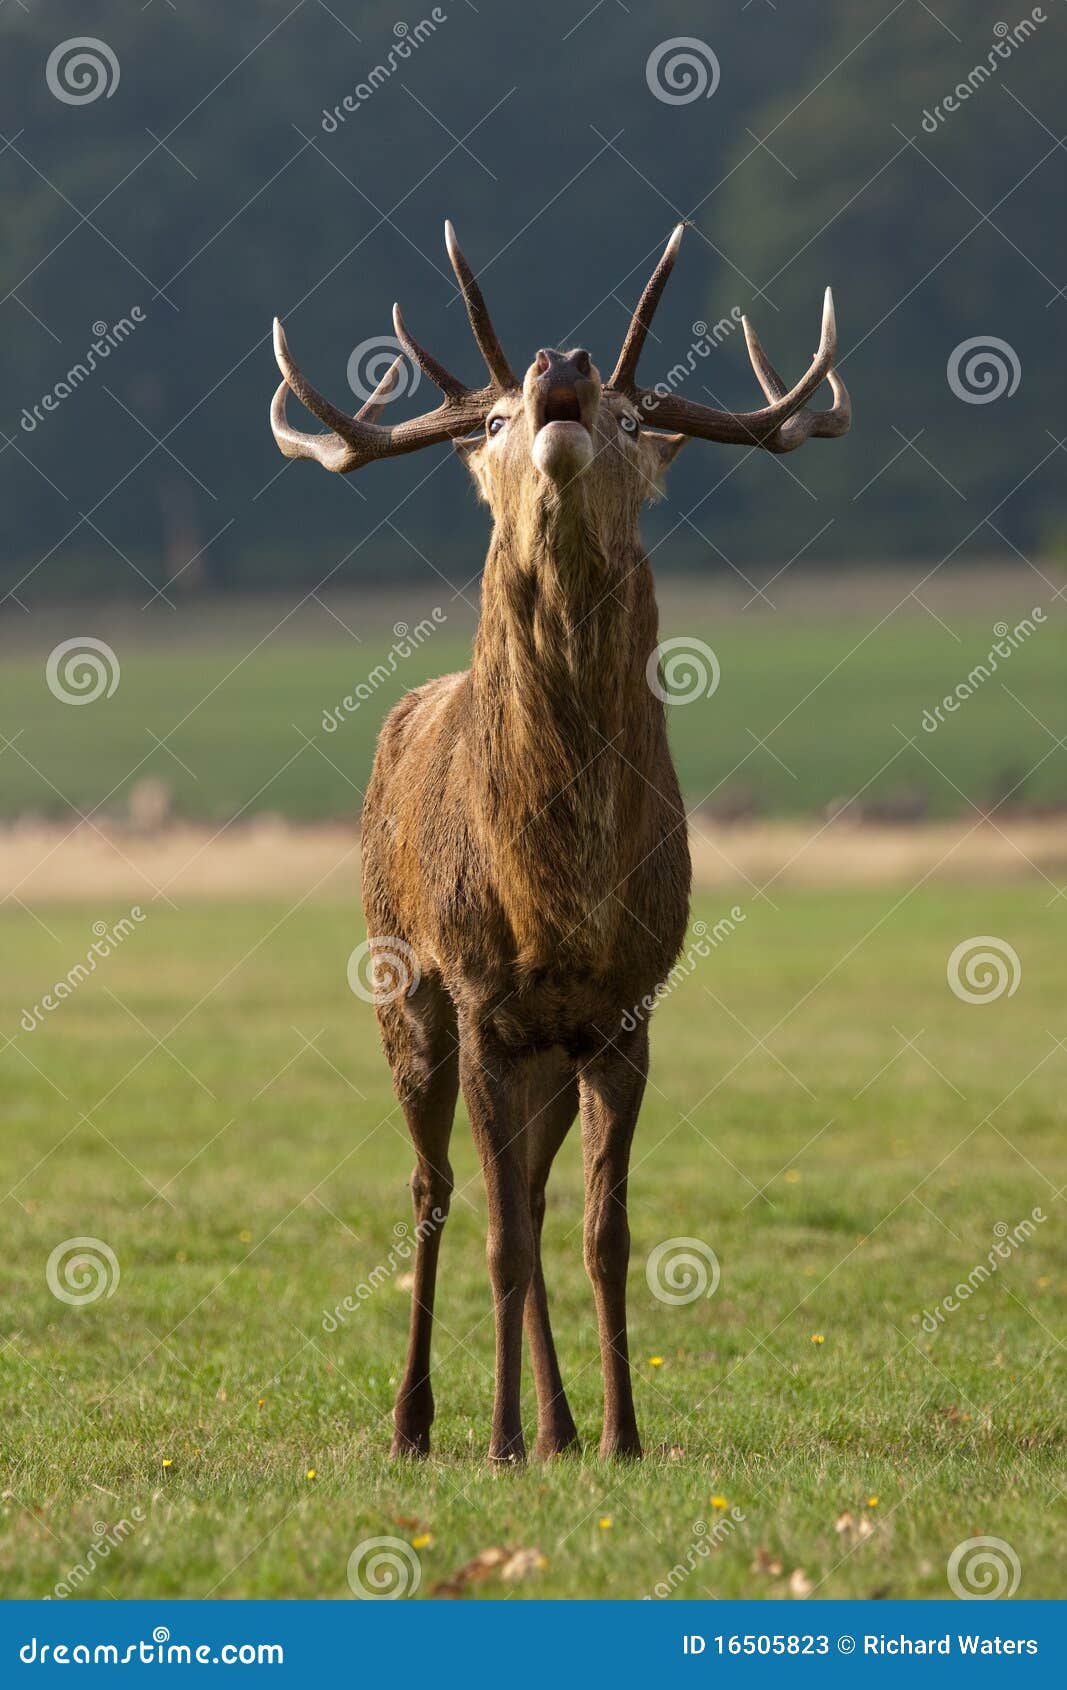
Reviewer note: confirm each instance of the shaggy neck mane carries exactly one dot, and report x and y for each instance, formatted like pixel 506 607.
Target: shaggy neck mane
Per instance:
pixel 566 728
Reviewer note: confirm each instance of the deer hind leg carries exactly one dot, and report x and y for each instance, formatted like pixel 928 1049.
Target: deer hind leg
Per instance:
pixel 494 1086
pixel 552 1104
pixel 420 1040
pixel 611 1087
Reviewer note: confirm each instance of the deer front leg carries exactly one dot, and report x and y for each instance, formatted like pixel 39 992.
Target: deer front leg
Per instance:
pixel 552 1106
pixel 420 1036
pixel 612 1085
pixel 494 1089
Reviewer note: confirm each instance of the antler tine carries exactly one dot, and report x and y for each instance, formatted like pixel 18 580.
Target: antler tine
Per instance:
pixel 478 314
pixel 428 364
pixel 807 424
pixel 310 396
pixel 622 378
pixel 804 423
pixel 781 425
pixel 375 405
pixel 355 441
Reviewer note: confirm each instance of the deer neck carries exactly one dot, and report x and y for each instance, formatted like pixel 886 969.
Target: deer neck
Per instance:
pixel 566 727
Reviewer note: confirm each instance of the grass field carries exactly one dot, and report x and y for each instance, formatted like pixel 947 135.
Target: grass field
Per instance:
pixel 237 693
pixel 212 1105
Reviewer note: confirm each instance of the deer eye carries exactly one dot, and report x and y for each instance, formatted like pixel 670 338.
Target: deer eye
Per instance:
pixel 495 424
pixel 629 425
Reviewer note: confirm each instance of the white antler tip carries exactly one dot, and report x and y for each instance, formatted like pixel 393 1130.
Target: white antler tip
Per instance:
pixel 829 317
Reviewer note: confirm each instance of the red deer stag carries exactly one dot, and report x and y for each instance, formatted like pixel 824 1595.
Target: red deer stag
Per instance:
pixel 524 840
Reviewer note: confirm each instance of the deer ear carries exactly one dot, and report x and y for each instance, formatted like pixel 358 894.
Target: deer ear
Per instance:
pixel 467 447
pixel 666 447
pixel 470 450
pixel 662 449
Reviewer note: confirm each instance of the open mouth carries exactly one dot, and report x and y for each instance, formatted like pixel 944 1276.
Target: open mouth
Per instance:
pixel 560 404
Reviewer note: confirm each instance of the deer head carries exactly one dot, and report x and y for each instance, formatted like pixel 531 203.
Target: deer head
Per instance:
pixel 562 434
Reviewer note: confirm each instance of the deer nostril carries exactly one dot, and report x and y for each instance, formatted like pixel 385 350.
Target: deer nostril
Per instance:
pixel 542 361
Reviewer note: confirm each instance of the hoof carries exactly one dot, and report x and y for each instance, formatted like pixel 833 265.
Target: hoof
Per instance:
pixel 512 1454
pixel 414 1446
pixel 551 1445
pixel 626 1448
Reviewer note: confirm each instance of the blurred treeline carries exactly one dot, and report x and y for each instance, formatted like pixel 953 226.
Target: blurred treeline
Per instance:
pixel 206 192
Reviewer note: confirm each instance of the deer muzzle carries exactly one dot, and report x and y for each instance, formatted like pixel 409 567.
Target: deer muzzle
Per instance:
pixel 562 397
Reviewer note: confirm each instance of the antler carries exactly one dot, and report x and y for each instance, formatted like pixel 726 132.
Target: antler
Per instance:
pixel 780 426
pixel 353 441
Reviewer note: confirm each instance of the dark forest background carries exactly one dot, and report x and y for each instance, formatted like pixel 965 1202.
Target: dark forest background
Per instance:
pixel 206 192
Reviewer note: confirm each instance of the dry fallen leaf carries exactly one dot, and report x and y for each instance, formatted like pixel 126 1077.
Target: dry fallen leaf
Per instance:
pixel 844 1522
pixel 510 1564
pixel 765 1562
pixel 522 1564
pixel 800 1584
pixel 404 1281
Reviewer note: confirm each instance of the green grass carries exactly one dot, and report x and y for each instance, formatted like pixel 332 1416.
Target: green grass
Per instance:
pixel 239 694
pixel 845 1182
